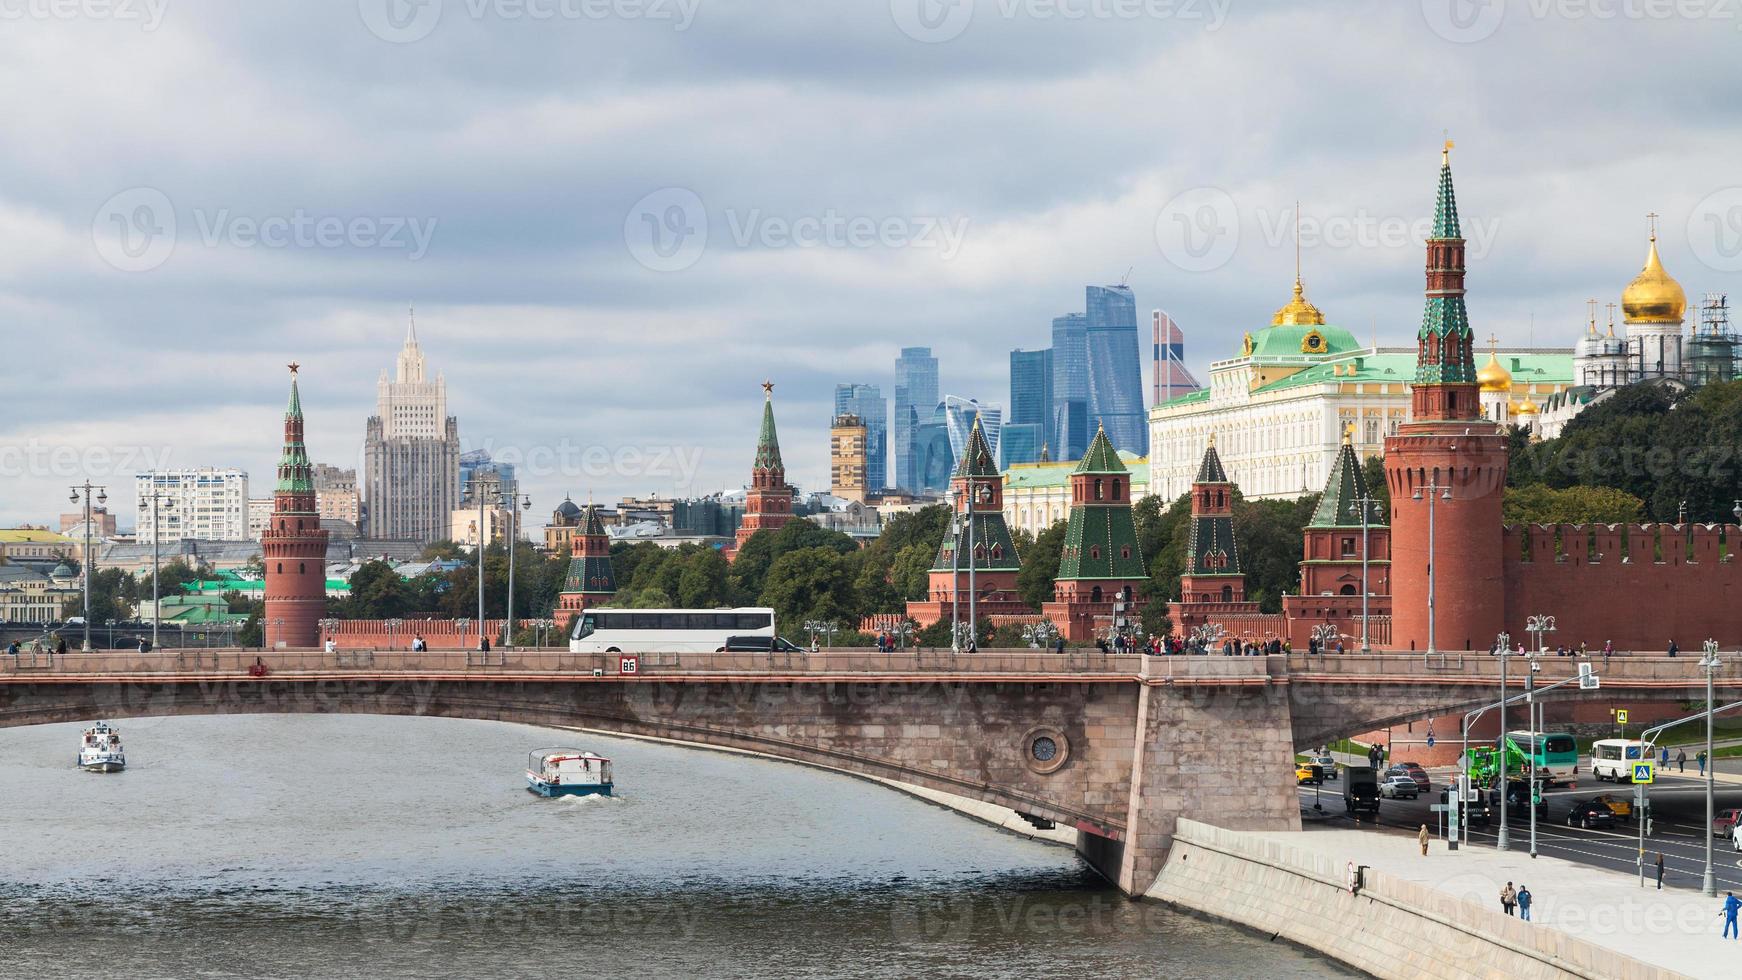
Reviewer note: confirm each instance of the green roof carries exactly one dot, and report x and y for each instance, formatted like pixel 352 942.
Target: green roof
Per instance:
pixel 977 459
pixel 991 535
pixel 1446 207
pixel 1285 340
pixel 1101 457
pixel 1101 543
pixel 1189 398
pixel 1340 506
pixel 1030 476
pixel 1210 470
pixel 767 442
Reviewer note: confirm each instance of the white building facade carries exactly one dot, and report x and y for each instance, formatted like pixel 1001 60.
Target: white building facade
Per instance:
pixel 206 503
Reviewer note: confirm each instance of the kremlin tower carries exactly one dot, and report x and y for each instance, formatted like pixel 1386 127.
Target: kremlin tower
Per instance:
pixel 1101 557
pixel 768 501
pixel 293 545
pixel 1213 586
pixel 979 502
pixel 1447 466
pixel 590 581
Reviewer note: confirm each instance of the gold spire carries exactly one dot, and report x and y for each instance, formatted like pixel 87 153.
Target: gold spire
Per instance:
pixel 1298 312
pixel 1653 296
pixel 1446 153
pixel 1348 434
pixel 1591 308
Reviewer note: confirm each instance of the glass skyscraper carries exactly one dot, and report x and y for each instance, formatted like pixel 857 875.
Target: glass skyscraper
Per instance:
pixel 1115 375
pixel 916 399
pixel 1025 431
pixel 866 401
pixel 959 414
pixel 1070 387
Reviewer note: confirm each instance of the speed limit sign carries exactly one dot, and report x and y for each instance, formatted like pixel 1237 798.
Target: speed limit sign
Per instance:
pixel 628 665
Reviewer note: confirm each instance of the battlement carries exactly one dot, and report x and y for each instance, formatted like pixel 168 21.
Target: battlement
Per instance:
pixel 1629 544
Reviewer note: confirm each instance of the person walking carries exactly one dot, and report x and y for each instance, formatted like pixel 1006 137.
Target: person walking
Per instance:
pixel 1701 757
pixel 1663 758
pixel 1731 905
pixel 1681 760
pixel 1508 898
pixel 1421 837
pixel 1524 902
pixel 1660 871
pixel 1673 649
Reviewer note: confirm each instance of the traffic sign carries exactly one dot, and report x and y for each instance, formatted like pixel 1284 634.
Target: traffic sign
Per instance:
pixel 1643 772
pixel 1430 740
pixel 1620 716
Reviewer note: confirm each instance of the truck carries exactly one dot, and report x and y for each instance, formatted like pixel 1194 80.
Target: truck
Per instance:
pixel 1361 789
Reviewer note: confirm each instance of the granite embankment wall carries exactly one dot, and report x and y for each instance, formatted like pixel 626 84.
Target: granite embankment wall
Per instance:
pixel 1391 928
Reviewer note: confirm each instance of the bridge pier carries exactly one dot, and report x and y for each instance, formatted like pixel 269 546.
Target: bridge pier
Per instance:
pixel 1218 754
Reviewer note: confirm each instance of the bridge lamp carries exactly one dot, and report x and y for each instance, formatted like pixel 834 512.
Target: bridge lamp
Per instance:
pixel 1710 663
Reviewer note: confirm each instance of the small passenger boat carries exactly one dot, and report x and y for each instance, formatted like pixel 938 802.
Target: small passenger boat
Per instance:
pixel 100 751
pixel 568 772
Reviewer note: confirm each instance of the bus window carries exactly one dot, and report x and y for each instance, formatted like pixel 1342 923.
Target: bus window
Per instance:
pixel 1560 743
pixel 588 624
pixel 752 621
pixel 725 621
pixel 644 621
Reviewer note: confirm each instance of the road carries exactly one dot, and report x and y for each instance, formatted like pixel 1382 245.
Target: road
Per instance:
pixel 1678 810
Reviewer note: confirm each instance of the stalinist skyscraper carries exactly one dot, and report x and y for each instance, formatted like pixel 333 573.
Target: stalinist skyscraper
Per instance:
pixel 411 450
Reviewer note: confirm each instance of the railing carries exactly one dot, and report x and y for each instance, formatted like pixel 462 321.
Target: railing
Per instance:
pixel 1621 669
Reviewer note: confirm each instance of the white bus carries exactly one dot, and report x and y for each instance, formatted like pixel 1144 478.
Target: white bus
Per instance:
pixel 666 630
pixel 1613 758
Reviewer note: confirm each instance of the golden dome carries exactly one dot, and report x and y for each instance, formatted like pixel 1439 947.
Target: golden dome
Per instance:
pixel 1524 406
pixel 1652 296
pixel 1298 312
pixel 1493 377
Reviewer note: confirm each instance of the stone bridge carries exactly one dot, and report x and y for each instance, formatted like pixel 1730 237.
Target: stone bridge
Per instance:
pixel 1117 746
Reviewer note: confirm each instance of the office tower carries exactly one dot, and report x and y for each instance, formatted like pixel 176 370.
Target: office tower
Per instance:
pixel 868 403
pixel 959 414
pixel 847 457
pixel 916 398
pixel 411 453
pixel 1115 374
pixel 1026 429
pixel 1070 386
pixel 1168 372
pixel 207 503
pixel 933 459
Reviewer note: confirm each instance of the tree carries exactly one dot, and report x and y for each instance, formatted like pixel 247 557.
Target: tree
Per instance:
pixel 1040 565
pixel 760 551
pixel 444 550
pixel 1540 504
pixel 377 592
pixel 1373 474
pixel 811 583
pixel 1270 539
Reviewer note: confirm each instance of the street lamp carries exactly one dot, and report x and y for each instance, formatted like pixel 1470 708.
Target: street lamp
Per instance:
pixel 156 537
pixel 955 574
pixel 85 560
pixel 1039 634
pixel 1532 710
pixel 1538 625
pixel 1435 491
pixel 1710 662
pixel 513 537
pixel 1366 504
pixel 902 630
pixel 1504 641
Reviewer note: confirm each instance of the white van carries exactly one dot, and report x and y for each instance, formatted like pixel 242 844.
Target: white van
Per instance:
pixel 1613 758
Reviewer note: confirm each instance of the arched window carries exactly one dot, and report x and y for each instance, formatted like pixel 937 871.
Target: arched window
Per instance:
pixel 1095 594
pixel 1115 489
pixel 1097 488
pixel 301 567
pixel 1227 593
pixel 1125 551
pixel 1348 590
pixel 1094 552
pixel 281 568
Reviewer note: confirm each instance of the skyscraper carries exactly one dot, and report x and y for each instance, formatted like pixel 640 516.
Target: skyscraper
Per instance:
pixel 1115 374
pixel 411 453
pixel 1070 386
pixel 1029 424
pixel 916 397
pixel 1171 379
pixel 959 415
pixel 867 402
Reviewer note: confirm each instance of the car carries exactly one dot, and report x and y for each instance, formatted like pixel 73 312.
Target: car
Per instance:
pixel 1307 774
pixel 1418 773
pixel 759 644
pixel 1399 787
pixel 1726 821
pixel 1736 837
pixel 1590 814
pixel 1326 763
pixel 1622 808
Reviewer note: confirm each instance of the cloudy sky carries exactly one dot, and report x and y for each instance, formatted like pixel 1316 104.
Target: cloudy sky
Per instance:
pixel 616 217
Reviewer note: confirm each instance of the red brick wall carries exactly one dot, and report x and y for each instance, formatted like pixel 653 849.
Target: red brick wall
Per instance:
pixel 440 634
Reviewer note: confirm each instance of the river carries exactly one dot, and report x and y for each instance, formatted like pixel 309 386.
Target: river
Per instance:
pixel 337 845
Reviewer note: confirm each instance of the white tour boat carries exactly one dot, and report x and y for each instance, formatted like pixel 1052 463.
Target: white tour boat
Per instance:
pixel 568 772
pixel 100 751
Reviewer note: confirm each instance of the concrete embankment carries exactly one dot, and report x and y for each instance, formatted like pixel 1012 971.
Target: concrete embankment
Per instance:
pixel 1389 928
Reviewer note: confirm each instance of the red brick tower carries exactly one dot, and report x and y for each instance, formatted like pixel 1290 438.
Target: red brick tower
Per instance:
pixel 293 545
pixel 979 487
pixel 768 502
pixel 590 581
pixel 1101 559
pixel 1450 459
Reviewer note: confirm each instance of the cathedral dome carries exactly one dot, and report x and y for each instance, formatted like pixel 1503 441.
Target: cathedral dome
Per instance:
pixel 1653 296
pixel 1524 407
pixel 1298 312
pixel 1493 377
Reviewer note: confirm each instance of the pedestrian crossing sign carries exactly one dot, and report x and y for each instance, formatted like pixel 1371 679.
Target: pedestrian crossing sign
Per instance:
pixel 1621 716
pixel 1642 771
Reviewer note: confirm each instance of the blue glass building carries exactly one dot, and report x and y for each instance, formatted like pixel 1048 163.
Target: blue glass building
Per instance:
pixel 1026 429
pixel 1070 387
pixel 916 400
pixel 1114 373
pixel 866 401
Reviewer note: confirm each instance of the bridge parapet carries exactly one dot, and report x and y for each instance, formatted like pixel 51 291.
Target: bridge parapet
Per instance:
pixel 1483 668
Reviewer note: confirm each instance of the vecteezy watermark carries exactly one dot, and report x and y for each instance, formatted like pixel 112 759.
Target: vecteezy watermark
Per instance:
pixel 406 21
pixel 34 458
pixel 937 21
pixel 668 230
pixel 149 13
pixel 1715 230
pixel 1199 229
pixel 137 230
pixel 1464 21
pixel 1469 21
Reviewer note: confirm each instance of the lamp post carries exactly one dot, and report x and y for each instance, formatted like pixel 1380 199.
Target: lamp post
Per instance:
pixel 1710 663
pixel 955 575
pixel 84 491
pixel 513 536
pixel 1366 505
pixel 1532 709
pixel 902 631
pixel 1433 491
pixel 1504 641
pixel 1039 634
pixel 156 598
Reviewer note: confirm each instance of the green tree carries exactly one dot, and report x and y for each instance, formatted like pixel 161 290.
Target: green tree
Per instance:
pixel 811 583
pixel 1270 539
pixel 377 592
pixel 444 550
pixel 1040 565
pixel 1373 473
pixel 1541 504
pixel 762 549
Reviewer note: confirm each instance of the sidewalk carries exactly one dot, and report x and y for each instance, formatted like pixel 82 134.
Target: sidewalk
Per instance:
pixel 1676 929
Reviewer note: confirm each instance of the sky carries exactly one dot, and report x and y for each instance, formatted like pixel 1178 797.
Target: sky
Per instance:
pixel 616 218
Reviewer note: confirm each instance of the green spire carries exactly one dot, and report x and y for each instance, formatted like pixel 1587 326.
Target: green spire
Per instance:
pixel 295 409
pixel 1344 493
pixel 1210 470
pixel 977 458
pixel 1446 204
pixel 1101 457
pixel 767 442
pixel 295 474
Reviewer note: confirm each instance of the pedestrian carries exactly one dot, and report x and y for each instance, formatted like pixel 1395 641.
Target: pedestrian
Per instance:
pixel 60 645
pixel 1663 758
pixel 1702 760
pixel 1421 838
pixel 484 644
pixel 1681 760
pixel 1673 649
pixel 1508 898
pixel 1524 902
pixel 1608 651
pixel 330 646
pixel 1731 905
pixel 1660 871
pixel 1059 644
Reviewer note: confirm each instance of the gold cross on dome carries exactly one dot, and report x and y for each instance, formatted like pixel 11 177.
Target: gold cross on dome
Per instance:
pixel 1652 217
